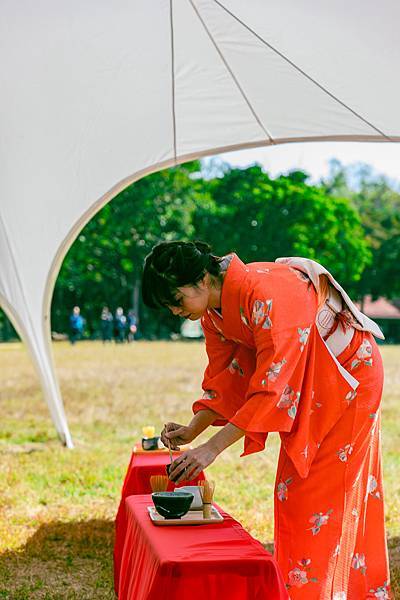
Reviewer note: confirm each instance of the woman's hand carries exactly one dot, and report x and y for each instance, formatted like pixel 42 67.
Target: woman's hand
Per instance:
pixel 177 435
pixel 190 464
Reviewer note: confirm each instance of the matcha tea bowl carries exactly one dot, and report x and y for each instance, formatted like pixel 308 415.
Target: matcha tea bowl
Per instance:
pixel 172 505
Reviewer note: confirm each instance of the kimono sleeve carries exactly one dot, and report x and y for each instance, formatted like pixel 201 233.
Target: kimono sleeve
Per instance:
pixel 293 373
pixel 274 390
pixel 227 376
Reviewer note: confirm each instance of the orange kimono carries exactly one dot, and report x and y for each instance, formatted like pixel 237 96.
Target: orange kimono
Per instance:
pixel 270 370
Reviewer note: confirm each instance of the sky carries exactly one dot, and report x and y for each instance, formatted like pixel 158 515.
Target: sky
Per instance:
pixel 313 157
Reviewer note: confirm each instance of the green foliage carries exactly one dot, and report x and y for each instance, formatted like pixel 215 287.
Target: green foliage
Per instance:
pixel 7 331
pixel 104 264
pixel 350 223
pixel 378 204
pixel 263 218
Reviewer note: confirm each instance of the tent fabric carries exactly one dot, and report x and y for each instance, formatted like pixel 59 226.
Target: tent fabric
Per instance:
pixel 95 97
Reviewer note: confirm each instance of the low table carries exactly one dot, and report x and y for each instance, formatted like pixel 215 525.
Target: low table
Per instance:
pixel 137 481
pixel 203 562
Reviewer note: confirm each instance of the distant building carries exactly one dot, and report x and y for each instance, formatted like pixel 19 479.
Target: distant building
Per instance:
pixel 386 314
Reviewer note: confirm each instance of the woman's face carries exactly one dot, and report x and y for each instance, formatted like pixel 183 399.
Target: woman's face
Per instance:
pixel 193 301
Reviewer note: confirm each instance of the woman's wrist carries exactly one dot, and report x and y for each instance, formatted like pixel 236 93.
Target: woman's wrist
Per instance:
pixel 192 433
pixel 213 447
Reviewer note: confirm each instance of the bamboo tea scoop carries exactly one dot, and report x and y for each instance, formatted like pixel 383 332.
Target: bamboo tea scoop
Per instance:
pixel 168 467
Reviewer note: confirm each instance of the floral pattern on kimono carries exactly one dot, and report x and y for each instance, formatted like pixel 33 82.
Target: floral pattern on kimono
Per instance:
pixel 261 312
pixel 243 317
pixel 298 576
pixel 209 394
pixel 372 488
pixel 343 453
pixel 358 562
pixel 374 417
pixel 316 406
pixel 350 396
pixel 364 355
pixel 234 367
pixel 282 489
pixel 381 592
pixel 290 400
pixel 318 520
pixel 303 333
pixel 274 371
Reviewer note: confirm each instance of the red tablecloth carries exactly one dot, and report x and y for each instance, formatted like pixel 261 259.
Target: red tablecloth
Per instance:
pixel 209 562
pixel 137 481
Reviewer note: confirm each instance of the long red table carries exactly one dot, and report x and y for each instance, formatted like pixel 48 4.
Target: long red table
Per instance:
pixel 197 562
pixel 137 481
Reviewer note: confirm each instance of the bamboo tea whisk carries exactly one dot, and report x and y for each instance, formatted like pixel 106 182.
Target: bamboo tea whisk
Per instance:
pixel 159 483
pixel 207 493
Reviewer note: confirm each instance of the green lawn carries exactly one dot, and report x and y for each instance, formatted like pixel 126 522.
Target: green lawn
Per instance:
pixel 57 506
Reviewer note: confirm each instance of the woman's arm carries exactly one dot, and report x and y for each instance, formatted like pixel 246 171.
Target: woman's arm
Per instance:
pixel 184 434
pixel 202 420
pixel 225 437
pixel 192 462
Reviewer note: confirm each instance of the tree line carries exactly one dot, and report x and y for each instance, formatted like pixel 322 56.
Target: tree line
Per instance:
pixel 350 222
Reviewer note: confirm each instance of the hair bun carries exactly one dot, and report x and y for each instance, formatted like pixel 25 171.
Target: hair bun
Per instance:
pixel 175 264
pixel 202 247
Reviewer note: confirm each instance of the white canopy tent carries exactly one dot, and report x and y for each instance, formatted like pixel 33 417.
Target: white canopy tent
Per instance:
pixel 96 95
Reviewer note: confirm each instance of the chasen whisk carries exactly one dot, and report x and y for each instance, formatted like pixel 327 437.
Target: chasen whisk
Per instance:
pixel 207 493
pixel 159 483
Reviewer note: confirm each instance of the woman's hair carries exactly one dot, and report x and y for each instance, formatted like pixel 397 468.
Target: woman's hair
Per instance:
pixel 171 265
pixel 323 291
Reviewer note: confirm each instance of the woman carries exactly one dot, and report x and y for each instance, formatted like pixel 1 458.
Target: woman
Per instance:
pixel 288 352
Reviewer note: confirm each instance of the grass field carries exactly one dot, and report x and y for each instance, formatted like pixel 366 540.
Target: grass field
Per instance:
pixel 57 506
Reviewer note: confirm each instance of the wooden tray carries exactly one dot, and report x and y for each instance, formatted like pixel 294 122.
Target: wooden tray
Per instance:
pixel 137 449
pixel 193 517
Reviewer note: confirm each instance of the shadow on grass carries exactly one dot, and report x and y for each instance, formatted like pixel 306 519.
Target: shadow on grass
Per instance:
pixel 73 561
pixel 62 560
pixel 394 559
